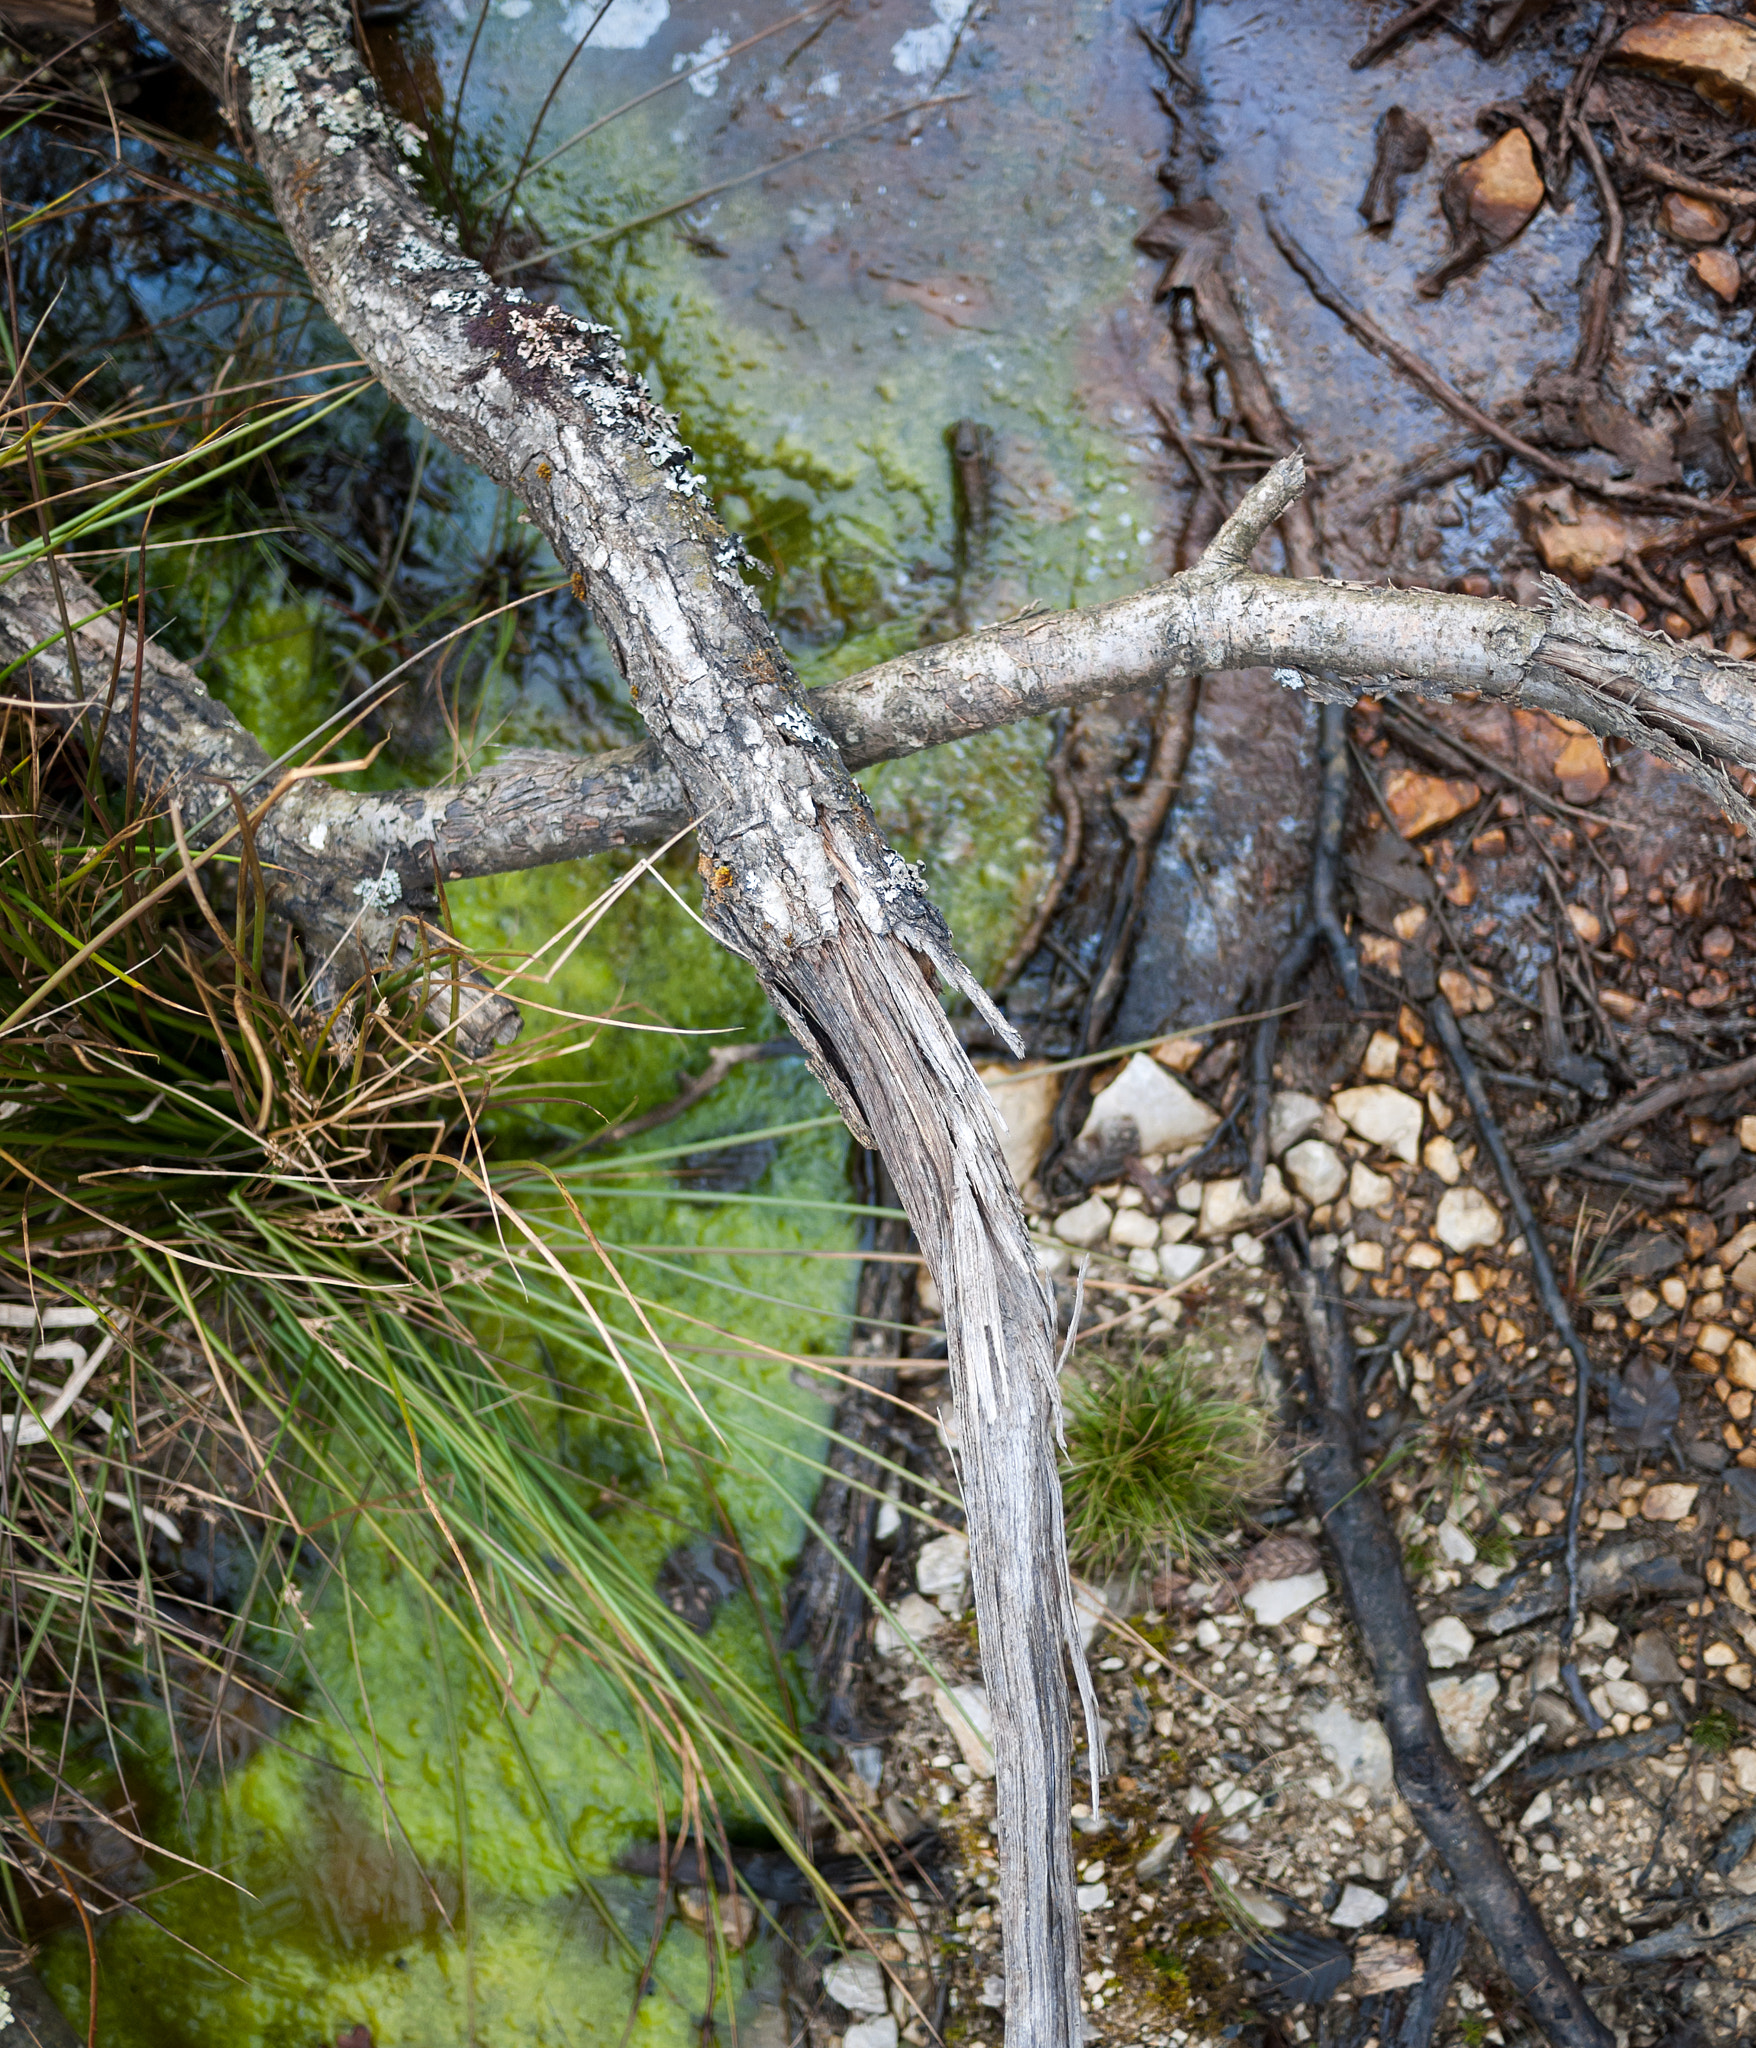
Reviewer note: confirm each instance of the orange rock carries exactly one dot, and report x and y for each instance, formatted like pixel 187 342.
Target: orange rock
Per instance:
pixel 1463 994
pixel 1502 187
pixel 1419 802
pixel 1710 52
pixel 1574 540
pixel 1581 770
pixel 1618 1004
pixel 1718 270
pixel 1739 645
pixel 1699 591
pixel 1693 221
pixel 1585 922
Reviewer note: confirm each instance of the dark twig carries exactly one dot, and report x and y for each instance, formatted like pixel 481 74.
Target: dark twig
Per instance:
pixel 1600 293
pixel 1580 1142
pixel 1367 331
pixel 1570 128
pixel 1427 1774
pixel 1542 1272
pixel 1388 37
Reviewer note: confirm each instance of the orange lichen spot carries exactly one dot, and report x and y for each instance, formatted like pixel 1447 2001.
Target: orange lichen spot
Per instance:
pixel 576 583
pixel 723 878
pixel 544 471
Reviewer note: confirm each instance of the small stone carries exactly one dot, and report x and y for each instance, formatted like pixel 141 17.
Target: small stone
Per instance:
pixel 1654 1661
pixel 1292 1116
pixel 1134 1230
pixel 1574 539
pixel 1642 1304
pixel 1419 802
pixel 1456 1545
pixel 1164 1115
pixel 1439 1157
pixel 1692 221
pixel 1713 53
pixel 857 1984
pixel 1179 1262
pixel 1358 1907
pixel 1581 769
pixel 1627 1696
pixel 1368 1190
pixel 992 1994
pixel 1383 1050
pixel 1501 189
pixel 1744 1274
pixel 1316 1169
pixel 1274 1600
pixel 1225 1209
pixel 1258 1906
pixel 1463 993
pixel 1463 1706
pixel 1537 1811
pixel 1383 1116
pixel 942 1570
pixel 1586 923
pixel 1158 1857
pixel 1740 1363
pixel 1718 270
pixel 1092 1898
pixel 1143 1264
pixel 1747 1133
pixel 736 1914
pixel 1086 1225
pixel 1386 1962
pixel 912 1620
pixel 1359 1749
pixel 1467 1221
pixel 879 2033
pixel 964 1710
pixel 1179 1054
pixel 1025 1096
pixel 1448 1642
pixel 1669 1502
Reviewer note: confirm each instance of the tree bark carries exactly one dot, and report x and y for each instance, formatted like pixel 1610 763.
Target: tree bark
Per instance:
pixel 533 807
pixel 799 880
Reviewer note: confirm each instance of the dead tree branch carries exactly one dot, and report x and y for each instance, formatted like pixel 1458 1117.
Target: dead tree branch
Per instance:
pixel 1428 1776
pixel 799 880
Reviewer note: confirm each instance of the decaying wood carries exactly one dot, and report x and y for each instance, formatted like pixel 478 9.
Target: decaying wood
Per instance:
pixel 1369 1564
pixel 1694 708
pixel 799 881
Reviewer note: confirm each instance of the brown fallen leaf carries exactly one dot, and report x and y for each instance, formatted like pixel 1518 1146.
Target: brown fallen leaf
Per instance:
pixel 1419 802
pixel 1712 53
pixel 1718 270
pixel 1573 539
pixel 1402 145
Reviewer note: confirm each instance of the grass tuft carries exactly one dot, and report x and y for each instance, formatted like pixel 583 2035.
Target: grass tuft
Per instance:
pixel 1157 1463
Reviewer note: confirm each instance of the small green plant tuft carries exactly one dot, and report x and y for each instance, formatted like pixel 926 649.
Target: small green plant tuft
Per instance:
pixel 1715 1732
pixel 1419 1558
pixel 1156 1463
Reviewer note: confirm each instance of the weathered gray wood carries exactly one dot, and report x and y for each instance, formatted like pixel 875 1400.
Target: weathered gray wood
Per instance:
pixel 799 880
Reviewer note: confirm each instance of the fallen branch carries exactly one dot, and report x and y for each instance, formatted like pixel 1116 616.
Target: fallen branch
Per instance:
pixel 1584 1139
pixel 799 881
pixel 1427 1774
pixel 1699 1930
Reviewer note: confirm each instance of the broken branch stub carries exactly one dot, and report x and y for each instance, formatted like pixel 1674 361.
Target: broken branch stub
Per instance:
pixel 798 879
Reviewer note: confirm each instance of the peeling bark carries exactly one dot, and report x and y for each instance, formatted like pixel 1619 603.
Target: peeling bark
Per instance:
pixel 799 880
